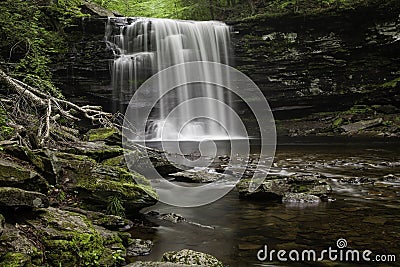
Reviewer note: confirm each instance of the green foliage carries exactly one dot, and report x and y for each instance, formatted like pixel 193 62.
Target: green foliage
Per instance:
pixel 115 206
pixel 88 247
pixel 225 9
pixel 175 9
pixel 31 31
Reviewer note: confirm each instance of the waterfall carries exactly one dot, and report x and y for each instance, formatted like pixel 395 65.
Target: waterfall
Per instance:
pixel 145 46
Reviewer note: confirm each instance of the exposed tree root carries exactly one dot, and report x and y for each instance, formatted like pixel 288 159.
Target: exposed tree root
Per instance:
pixel 36 109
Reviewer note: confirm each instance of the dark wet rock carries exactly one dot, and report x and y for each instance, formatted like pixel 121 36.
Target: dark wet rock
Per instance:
pixel 137 158
pixel 13 174
pixel 96 10
pixel 176 218
pixel 2 222
pixel 172 217
pixel 361 125
pixel 191 257
pixel 277 187
pixel 139 247
pixel 71 239
pixel 387 109
pixel 300 198
pixel 197 176
pixel 317 63
pixel 15 197
pixel 97 150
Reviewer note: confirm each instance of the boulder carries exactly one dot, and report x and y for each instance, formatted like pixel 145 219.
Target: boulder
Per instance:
pixel 16 249
pixel 276 187
pixel 135 160
pixel 191 257
pixel 110 222
pixel 197 176
pixel 70 239
pixel 111 136
pixel 97 10
pixel 300 198
pixel 13 174
pixel 139 247
pixel 15 197
pixel 96 183
pixel 97 150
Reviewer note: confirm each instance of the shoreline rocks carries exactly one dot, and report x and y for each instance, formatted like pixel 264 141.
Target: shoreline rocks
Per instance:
pixel 278 188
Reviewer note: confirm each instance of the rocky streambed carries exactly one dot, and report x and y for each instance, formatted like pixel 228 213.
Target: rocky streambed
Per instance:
pixel 75 206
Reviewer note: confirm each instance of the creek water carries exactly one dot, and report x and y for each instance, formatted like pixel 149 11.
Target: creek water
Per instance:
pixel 365 210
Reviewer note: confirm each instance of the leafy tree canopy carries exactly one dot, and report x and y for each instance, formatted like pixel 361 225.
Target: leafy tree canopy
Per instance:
pixel 31 31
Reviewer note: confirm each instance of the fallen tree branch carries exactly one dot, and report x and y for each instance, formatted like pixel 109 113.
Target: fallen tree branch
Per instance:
pixel 50 109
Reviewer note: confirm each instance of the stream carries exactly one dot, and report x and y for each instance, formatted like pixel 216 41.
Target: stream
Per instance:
pixel 365 178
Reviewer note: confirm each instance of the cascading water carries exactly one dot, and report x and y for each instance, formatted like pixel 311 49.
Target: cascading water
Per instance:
pixel 146 46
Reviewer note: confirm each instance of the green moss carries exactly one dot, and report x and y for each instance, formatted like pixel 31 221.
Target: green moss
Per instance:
pixel 14 259
pixel 75 245
pixel 100 134
pixel 126 189
pixel 336 123
pixel 358 109
pixel 116 161
pixel 391 84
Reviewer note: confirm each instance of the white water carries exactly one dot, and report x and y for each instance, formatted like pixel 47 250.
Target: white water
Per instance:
pixel 145 46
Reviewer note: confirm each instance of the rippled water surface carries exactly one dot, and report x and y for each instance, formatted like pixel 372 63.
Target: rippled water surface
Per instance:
pixel 365 210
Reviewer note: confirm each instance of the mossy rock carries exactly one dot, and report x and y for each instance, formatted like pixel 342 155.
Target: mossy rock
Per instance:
pixel 14 259
pixel 70 239
pixel 191 257
pixel 95 183
pixel 15 197
pixel 98 150
pixel 275 187
pixel 13 174
pixel 111 136
pixel 16 249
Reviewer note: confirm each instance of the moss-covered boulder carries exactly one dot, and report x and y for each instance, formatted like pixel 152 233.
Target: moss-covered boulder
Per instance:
pixel 98 184
pixel 111 136
pixel 13 174
pixel 70 239
pixel 191 257
pixel 16 249
pixel 15 197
